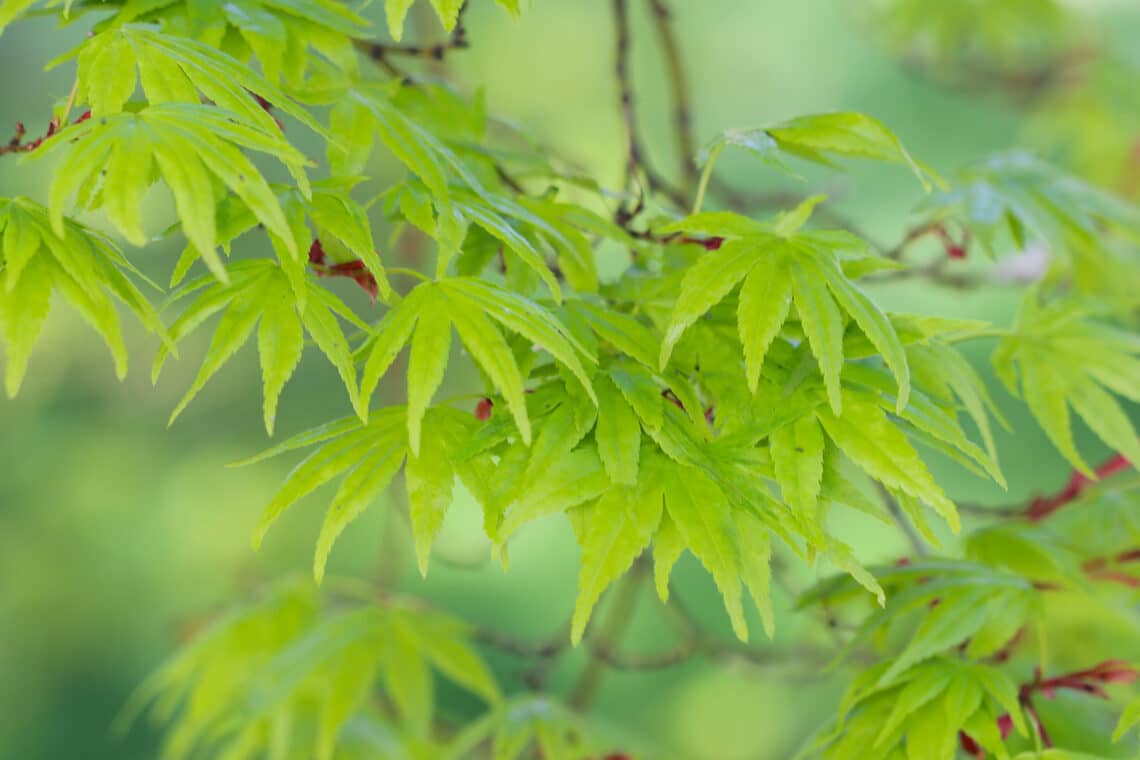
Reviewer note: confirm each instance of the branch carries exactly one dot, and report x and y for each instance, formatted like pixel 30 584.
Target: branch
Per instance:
pixel 380 52
pixel 625 101
pixel 679 89
pixel 636 163
pixel 552 647
pixel 1041 507
pixel 17 144
pixel 901 521
pixel 619 616
pixel 1091 681
pixel 1023 86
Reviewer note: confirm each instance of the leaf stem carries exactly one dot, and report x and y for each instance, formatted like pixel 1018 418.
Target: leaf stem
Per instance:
pixel 706 175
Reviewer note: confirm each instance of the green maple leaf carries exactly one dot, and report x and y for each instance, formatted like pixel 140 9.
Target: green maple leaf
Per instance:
pixel 779 268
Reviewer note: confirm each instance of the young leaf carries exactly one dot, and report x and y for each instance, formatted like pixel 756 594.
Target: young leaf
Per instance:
pixel 699 510
pixel 427 360
pixel 369 478
pixel 869 439
pixel 80 264
pixel 713 276
pixel 618 434
pixel 813 138
pixel 260 291
pixel 183 139
pixel 619 527
pixel 430 479
pixel 765 300
pixel 1065 358
pixel 823 324
pixel 797 453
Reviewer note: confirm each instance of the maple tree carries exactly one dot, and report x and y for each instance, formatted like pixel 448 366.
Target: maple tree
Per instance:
pixel 731 389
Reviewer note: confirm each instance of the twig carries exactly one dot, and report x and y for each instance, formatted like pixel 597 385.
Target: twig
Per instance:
pixel 17 144
pixel 552 647
pixel 1090 681
pixel 637 164
pixel 1040 508
pixel 901 521
pixel 662 17
pixel 619 616
pixel 936 272
pixel 680 653
pixel 633 150
pixel 1043 506
pixel 1022 86
pixel 381 51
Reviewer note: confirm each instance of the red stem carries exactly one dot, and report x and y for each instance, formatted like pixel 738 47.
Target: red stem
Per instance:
pixel 1043 506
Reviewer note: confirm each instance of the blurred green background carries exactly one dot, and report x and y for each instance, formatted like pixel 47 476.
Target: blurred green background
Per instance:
pixel 118 536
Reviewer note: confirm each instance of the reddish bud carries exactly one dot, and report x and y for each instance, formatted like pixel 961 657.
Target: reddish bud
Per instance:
pixel 1005 725
pixel 316 252
pixel 354 270
pixel 970 747
pixel 483 409
pixel 709 244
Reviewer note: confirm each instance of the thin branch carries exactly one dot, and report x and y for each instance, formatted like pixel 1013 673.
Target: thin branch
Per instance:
pixel 901 520
pixel 1022 86
pixel 551 647
pixel 1040 508
pixel 381 52
pixel 17 145
pixel 618 617
pixel 633 151
pixel 681 652
pixel 636 164
pixel 1043 506
pixel 937 272
pixel 699 643
pixel 683 134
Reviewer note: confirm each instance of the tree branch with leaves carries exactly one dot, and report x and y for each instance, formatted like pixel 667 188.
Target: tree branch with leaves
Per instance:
pixel 732 391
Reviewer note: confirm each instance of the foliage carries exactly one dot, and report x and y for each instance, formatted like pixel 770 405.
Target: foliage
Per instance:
pixel 719 396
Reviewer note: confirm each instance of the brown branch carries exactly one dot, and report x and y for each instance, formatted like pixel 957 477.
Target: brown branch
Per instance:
pixel 633 158
pixel 683 133
pixel 381 52
pixel 938 270
pixel 1090 681
pixel 1043 506
pixel 636 163
pixel 17 144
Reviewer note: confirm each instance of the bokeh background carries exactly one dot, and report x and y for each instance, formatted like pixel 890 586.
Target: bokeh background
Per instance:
pixel 119 536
